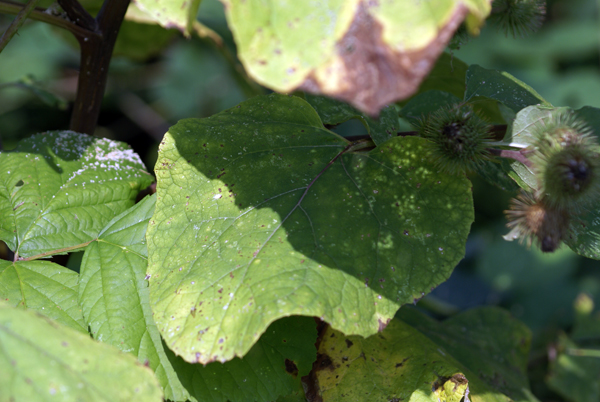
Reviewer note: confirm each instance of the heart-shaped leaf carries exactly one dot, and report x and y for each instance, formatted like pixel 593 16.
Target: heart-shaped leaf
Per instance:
pixel 262 213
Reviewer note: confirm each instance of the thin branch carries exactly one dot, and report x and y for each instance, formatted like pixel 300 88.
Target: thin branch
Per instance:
pixel 516 155
pixel 16 23
pixel 40 14
pixel 78 14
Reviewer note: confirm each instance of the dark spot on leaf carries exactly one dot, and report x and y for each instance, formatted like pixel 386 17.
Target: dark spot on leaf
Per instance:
pixel 401 363
pixel 458 379
pixel 19 183
pixel 291 367
pixel 349 343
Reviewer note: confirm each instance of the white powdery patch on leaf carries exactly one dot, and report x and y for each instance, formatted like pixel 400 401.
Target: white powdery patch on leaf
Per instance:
pixel 98 157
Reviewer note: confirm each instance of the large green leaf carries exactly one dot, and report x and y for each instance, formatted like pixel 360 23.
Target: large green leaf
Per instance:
pixel 272 368
pixel 502 87
pixel 423 360
pixel 262 213
pixel 44 287
pixel 368 53
pixel 114 294
pixel 333 112
pixel 41 360
pixel 59 189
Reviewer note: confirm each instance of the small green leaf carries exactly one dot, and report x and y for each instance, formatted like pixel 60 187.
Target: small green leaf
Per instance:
pixel 59 189
pixel 502 87
pixel 262 214
pixel 44 287
pixel 417 358
pixel 527 121
pixel 366 53
pixel 334 112
pixel 41 360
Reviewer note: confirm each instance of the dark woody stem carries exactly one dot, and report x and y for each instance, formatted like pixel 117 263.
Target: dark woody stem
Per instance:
pixel 96 53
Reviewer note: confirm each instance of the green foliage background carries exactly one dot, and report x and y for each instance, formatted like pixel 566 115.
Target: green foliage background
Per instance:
pixel 191 79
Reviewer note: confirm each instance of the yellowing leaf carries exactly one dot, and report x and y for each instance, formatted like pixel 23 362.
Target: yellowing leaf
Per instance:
pixel 368 53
